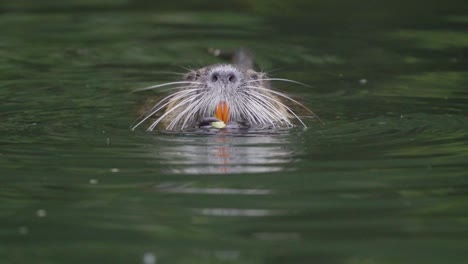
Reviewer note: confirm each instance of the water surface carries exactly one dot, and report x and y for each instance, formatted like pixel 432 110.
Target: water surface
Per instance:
pixel 384 181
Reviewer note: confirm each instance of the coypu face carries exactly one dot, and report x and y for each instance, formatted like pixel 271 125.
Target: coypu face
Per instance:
pixel 226 78
pixel 222 92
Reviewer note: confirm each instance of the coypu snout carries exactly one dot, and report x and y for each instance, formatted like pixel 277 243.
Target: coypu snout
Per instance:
pixel 224 76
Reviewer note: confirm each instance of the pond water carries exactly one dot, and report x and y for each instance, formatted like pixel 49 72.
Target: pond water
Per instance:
pixel 384 181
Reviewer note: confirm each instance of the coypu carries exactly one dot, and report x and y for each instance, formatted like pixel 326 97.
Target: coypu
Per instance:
pixel 232 95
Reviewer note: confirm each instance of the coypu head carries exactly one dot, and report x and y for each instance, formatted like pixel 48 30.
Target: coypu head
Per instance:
pixel 238 96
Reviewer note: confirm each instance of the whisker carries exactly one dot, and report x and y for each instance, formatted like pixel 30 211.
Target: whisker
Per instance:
pixel 279 79
pixel 184 88
pixel 279 116
pixel 186 68
pixel 260 117
pixel 192 108
pixel 164 84
pixel 260 111
pixel 260 98
pixel 288 98
pixel 179 93
pixel 287 108
pixel 152 111
pixel 184 101
pixel 246 112
pixel 195 109
pixel 264 109
pixel 150 115
pixel 169 72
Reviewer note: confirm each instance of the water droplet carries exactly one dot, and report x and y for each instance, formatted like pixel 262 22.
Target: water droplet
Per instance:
pixel 41 213
pixel 149 258
pixel 93 181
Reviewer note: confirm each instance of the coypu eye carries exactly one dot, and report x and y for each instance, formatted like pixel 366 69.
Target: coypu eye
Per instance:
pixel 192 76
pixel 189 77
pixel 253 75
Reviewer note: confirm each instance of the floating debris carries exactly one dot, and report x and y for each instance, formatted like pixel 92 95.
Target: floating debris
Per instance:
pixel 219 124
pixel 149 258
pixel 93 181
pixel 41 213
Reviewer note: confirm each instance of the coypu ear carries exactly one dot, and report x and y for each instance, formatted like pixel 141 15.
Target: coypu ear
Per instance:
pixel 262 75
pixel 253 74
pixel 256 76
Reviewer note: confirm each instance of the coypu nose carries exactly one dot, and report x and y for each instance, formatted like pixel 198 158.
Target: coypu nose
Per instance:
pixel 224 76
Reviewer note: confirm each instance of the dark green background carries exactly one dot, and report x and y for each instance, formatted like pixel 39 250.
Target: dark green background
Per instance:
pixel 383 182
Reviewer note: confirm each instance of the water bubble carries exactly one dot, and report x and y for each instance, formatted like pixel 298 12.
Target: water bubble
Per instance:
pixel 149 258
pixel 114 170
pixel 23 230
pixel 93 181
pixel 363 81
pixel 41 213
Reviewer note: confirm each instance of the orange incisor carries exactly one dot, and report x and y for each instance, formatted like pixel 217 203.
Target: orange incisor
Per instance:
pixel 222 111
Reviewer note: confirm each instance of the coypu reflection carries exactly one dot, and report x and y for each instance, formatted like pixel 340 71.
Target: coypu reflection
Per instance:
pixel 224 95
pixel 223 154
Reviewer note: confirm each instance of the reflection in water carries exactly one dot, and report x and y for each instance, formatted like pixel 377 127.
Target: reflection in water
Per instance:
pixel 223 255
pixel 276 236
pixel 238 212
pixel 224 154
pixel 170 187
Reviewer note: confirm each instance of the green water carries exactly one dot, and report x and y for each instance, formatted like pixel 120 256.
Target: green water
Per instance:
pixel 385 181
